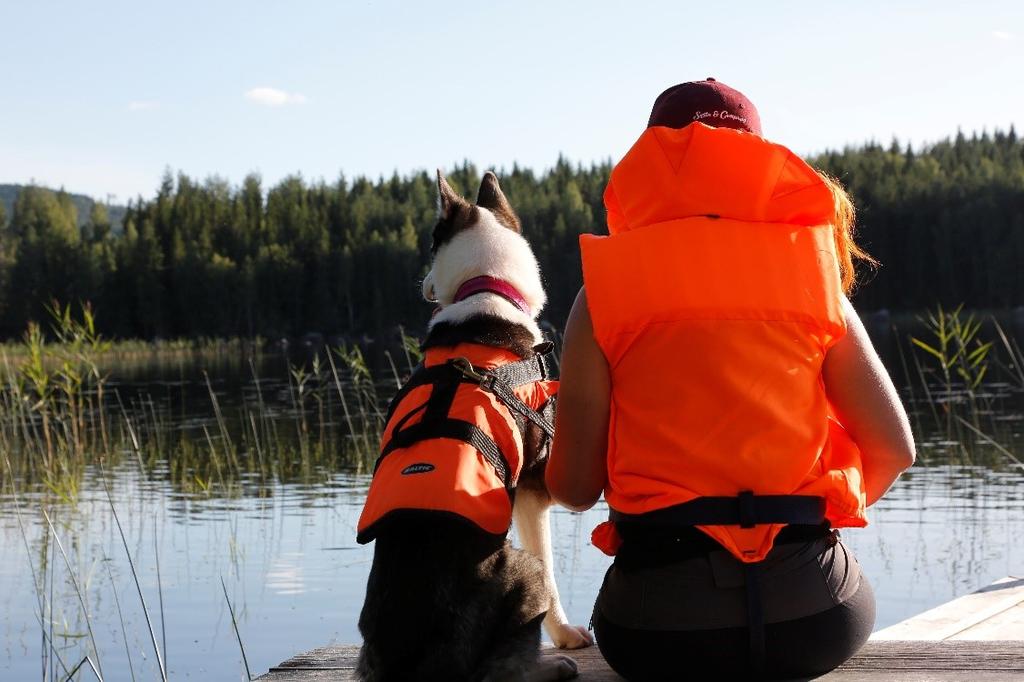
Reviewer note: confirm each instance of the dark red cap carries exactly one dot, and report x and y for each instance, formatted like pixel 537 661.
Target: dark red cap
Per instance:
pixel 709 102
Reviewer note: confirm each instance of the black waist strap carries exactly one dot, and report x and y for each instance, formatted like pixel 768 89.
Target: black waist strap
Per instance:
pixel 746 510
pixel 646 546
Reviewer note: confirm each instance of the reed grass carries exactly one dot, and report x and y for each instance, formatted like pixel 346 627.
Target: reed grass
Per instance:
pixel 98 668
pixel 160 595
pixel 135 577
pixel 956 347
pixel 59 416
pixel 61 419
pixel 120 617
pixel 953 350
pixel 234 624
pixel 48 651
pixel 1014 366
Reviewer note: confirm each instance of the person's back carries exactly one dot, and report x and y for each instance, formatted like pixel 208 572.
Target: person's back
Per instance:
pixel 697 354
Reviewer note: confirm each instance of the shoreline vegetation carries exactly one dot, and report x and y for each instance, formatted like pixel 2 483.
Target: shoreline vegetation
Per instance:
pixel 139 348
pixel 207 259
pixel 879 321
pixel 60 412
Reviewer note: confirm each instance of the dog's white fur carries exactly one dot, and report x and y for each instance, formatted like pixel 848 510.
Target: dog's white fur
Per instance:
pixel 530 513
pixel 489 248
pixel 486 248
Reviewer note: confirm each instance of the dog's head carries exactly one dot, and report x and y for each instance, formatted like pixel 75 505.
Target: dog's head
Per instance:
pixel 482 265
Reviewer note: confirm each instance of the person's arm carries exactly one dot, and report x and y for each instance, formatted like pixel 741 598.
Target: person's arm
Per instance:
pixel 577 469
pixel 867 405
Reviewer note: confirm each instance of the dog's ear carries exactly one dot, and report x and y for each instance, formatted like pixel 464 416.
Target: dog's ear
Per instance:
pixel 493 199
pixel 455 214
pixel 448 199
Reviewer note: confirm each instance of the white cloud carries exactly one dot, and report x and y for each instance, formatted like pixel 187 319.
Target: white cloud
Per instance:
pixel 272 97
pixel 142 105
pixel 1002 35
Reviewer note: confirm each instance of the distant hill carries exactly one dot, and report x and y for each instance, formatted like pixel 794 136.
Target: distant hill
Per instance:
pixel 8 193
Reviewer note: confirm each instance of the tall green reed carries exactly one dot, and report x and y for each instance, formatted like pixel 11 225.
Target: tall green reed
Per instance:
pixel 954 377
pixel 957 347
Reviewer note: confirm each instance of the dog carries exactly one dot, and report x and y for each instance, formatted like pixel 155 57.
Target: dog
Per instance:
pixel 447 599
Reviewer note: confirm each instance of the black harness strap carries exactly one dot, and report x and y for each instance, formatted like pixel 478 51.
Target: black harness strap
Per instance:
pixel 421 376
pixel 755 617
pixel 490 381
pixel 513 374
pixel 745 510
pixel 442 395
pixel 444 383
pixel 436 423
pixel 533 368
pixel 456 429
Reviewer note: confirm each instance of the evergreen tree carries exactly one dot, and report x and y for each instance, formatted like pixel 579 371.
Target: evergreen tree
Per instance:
pixel 205 258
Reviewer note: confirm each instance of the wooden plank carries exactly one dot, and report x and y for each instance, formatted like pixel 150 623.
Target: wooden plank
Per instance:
pixel 947 655
pixel 328 657
pixel 1008 624
pixel 842 675
pixel 961 615
pixel 878 660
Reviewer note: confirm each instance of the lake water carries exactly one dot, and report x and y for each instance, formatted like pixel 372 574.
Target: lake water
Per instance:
pixel 286 551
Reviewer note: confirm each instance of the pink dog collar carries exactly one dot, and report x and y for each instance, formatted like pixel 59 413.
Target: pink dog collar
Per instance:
pixel 485 283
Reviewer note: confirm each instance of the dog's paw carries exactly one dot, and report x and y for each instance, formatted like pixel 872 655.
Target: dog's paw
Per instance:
pixel 553 667
pixel 565 636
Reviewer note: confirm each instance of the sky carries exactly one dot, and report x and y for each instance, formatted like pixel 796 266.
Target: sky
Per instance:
pixel 103 97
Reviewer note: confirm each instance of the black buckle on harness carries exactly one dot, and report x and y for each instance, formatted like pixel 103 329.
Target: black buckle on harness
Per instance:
pixel 466 369
pixel 748 515
pixel 501 381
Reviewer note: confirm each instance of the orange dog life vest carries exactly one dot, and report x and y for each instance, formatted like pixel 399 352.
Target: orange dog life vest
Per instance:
pixel 714 300
pixel 453 443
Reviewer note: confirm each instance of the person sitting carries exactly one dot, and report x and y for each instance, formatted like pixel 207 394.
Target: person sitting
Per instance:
pixel 719 388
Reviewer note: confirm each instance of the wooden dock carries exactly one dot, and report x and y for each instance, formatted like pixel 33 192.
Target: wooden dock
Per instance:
pixel 979 637
pixel 993 612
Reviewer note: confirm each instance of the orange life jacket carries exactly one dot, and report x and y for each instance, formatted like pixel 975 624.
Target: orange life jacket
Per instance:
pixel 714 300
pixel 453 443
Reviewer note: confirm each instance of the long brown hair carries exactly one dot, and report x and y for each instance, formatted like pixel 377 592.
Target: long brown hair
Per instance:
pixel 843 224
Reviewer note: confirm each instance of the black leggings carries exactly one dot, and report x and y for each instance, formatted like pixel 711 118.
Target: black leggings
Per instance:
pixel 636 636
pixel 795 649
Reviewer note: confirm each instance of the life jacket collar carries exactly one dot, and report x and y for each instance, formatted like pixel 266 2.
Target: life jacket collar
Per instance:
pixel 675 173
pixel 478 354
